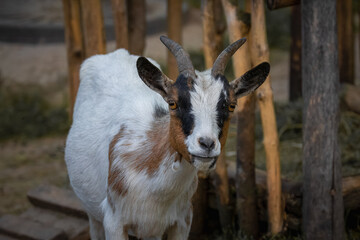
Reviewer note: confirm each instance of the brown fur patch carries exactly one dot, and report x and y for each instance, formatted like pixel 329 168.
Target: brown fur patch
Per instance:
pixel 157 147
pixel 225 131
pixel 177 137
pixel 116 176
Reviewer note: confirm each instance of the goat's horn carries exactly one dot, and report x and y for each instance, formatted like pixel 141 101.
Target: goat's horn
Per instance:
pixel 182 58
pixel 224 57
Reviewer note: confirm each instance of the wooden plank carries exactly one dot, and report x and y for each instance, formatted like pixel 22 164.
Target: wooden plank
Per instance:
pixel 57 199
pixel 74 228
pixel 18 227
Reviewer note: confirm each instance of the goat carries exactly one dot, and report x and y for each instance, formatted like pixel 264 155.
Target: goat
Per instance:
pixel 138 139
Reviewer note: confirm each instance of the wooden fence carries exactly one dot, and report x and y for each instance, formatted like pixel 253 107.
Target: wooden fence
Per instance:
pixel 85 37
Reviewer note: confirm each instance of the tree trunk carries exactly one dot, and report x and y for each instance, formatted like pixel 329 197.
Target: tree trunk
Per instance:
pixel 211 51
pixel 74 45
pixel 174 30
pixel 119 8
pixel 238 27
pixel 323 213
pixel 295 54
pixel 93 27
pixel 260 53
pixel 346 40
pixel 137 26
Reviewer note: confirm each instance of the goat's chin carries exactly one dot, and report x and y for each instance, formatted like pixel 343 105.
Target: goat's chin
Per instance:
pixel 204 165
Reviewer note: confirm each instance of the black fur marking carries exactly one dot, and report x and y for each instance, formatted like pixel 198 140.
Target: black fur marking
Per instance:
pixel 252 79
pixel 160 112
pixel 183 112
pixel 151 75
pixel 222 105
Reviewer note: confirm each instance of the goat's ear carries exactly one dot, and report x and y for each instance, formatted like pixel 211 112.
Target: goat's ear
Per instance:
pixel 251 80
pixel 153 77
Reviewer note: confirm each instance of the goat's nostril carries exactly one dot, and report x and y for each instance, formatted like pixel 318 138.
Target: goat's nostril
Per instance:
pixel 207 143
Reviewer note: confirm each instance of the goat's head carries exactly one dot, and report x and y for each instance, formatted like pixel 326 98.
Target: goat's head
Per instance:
pixel 200 104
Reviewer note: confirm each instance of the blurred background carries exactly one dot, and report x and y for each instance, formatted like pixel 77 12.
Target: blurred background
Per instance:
pixel 35 101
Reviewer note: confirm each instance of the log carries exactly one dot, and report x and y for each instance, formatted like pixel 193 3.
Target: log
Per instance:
pixel 276 4
pixel 174 30
pixel 93 27
pixel 74 46
pixel 260 53
pixel 293 195
pixel 323 213
pixel 136 26
pixel 239 27
pixel 119 8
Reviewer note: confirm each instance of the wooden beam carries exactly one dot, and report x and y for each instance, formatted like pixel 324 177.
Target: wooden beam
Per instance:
pixel 74 46
pixel 239 27
pixel 174 30
pixel 323 210
pixel 137 26
pixel 93 27
pixel 211 51
pixel 276 4
pixel 260 53
pixel 120 13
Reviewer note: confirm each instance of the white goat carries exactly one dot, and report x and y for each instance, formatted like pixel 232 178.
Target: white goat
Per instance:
pixel 138 139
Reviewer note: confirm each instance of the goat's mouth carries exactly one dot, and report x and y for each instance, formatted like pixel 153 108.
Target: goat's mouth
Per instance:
pixel 203 164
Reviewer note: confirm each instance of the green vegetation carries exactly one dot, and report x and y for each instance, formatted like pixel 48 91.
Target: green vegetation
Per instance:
pixel 25 113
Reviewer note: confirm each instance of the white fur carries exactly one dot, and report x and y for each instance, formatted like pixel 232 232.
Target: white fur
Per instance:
pixel 111 94
pixel 204 100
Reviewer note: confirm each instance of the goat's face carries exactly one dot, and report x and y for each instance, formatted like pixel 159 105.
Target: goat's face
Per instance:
pixel 200 104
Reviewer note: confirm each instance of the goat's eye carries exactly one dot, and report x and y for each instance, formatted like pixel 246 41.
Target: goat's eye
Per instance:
pixel 172 105
pixel 232 107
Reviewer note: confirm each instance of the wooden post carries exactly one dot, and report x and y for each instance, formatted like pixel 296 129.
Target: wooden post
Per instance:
pixel 174 30
pixel 209 32
pixel 295 54
pixel 260 53
pixel 275 4
pixel 74 46
pixel 211 51
pixel 238 27
pixel 137 26
pixel 323 214
pixel 346 40
pixel 119 8
pixel 93 27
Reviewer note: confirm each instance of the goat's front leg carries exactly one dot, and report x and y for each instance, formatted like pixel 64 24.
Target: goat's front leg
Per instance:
pixel 181 229
pixel 114 228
